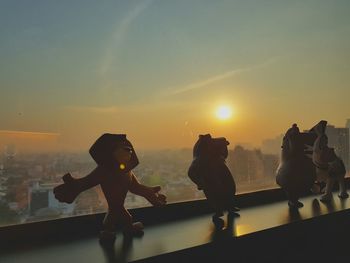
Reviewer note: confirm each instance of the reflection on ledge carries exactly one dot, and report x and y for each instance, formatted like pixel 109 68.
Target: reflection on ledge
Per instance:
pixel 118 254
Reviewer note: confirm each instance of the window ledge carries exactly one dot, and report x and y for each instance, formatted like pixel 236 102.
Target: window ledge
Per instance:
pixel 270 225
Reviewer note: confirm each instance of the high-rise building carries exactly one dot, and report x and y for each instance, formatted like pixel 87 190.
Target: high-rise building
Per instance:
pixel 272 146
pixel 41 197
pixel 338 138
pixel 347 125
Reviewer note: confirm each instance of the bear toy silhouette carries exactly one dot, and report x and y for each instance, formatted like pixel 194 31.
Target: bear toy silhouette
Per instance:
pixel 115 158
pixel 329 167
pixel 296 173
pixel 211 174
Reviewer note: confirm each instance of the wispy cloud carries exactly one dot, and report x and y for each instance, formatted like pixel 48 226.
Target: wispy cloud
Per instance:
pixel 222 76
pixel 119 34
pixel 208 81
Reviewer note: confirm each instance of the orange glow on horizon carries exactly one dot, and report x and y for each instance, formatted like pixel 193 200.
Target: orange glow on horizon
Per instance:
pixel 28 140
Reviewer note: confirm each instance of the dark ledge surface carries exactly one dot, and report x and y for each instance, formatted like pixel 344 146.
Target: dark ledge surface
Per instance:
pixel 196 235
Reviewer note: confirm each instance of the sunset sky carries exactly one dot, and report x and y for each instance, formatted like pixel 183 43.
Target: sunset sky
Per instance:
pixel 158 70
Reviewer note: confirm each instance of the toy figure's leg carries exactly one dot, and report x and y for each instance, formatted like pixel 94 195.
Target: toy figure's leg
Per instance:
pixel 218 222
pixel 232 208
pixel 115 190
pixel 231 222
pixel 110 224
pixel 235 209
pixel 150 193
pixel 129 228
pixel 328 192
pixel 315 188
pixel 110 221
pixel 293 200
pixel 109 227
pixel 234 213
pixel 342 187
pixel 318 187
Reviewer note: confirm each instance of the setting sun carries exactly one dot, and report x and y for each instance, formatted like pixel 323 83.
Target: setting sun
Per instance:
pixel 224 112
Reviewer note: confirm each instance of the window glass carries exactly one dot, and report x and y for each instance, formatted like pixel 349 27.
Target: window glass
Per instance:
pixel 162 72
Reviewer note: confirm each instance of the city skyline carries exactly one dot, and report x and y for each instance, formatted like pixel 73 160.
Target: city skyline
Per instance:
pixel 27 180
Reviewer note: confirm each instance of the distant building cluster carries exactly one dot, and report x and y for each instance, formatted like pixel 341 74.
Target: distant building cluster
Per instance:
pixel 27 181
pixel 338 138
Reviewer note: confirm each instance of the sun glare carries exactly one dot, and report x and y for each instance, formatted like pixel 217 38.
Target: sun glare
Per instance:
pixel 224 112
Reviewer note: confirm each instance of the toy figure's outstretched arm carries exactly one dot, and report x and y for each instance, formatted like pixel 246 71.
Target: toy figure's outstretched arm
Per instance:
pixel 150 193
pixel 71 188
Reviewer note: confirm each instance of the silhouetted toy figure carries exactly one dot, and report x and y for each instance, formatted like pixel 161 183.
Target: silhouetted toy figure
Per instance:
pixel 115 158
pixel 329 167
pixel 296 173
pixel 211 174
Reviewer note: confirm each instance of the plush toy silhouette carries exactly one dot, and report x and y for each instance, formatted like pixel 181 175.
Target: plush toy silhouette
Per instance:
pixel 329 167
pixel 211 174
pixel 115 158
pixel 296 173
